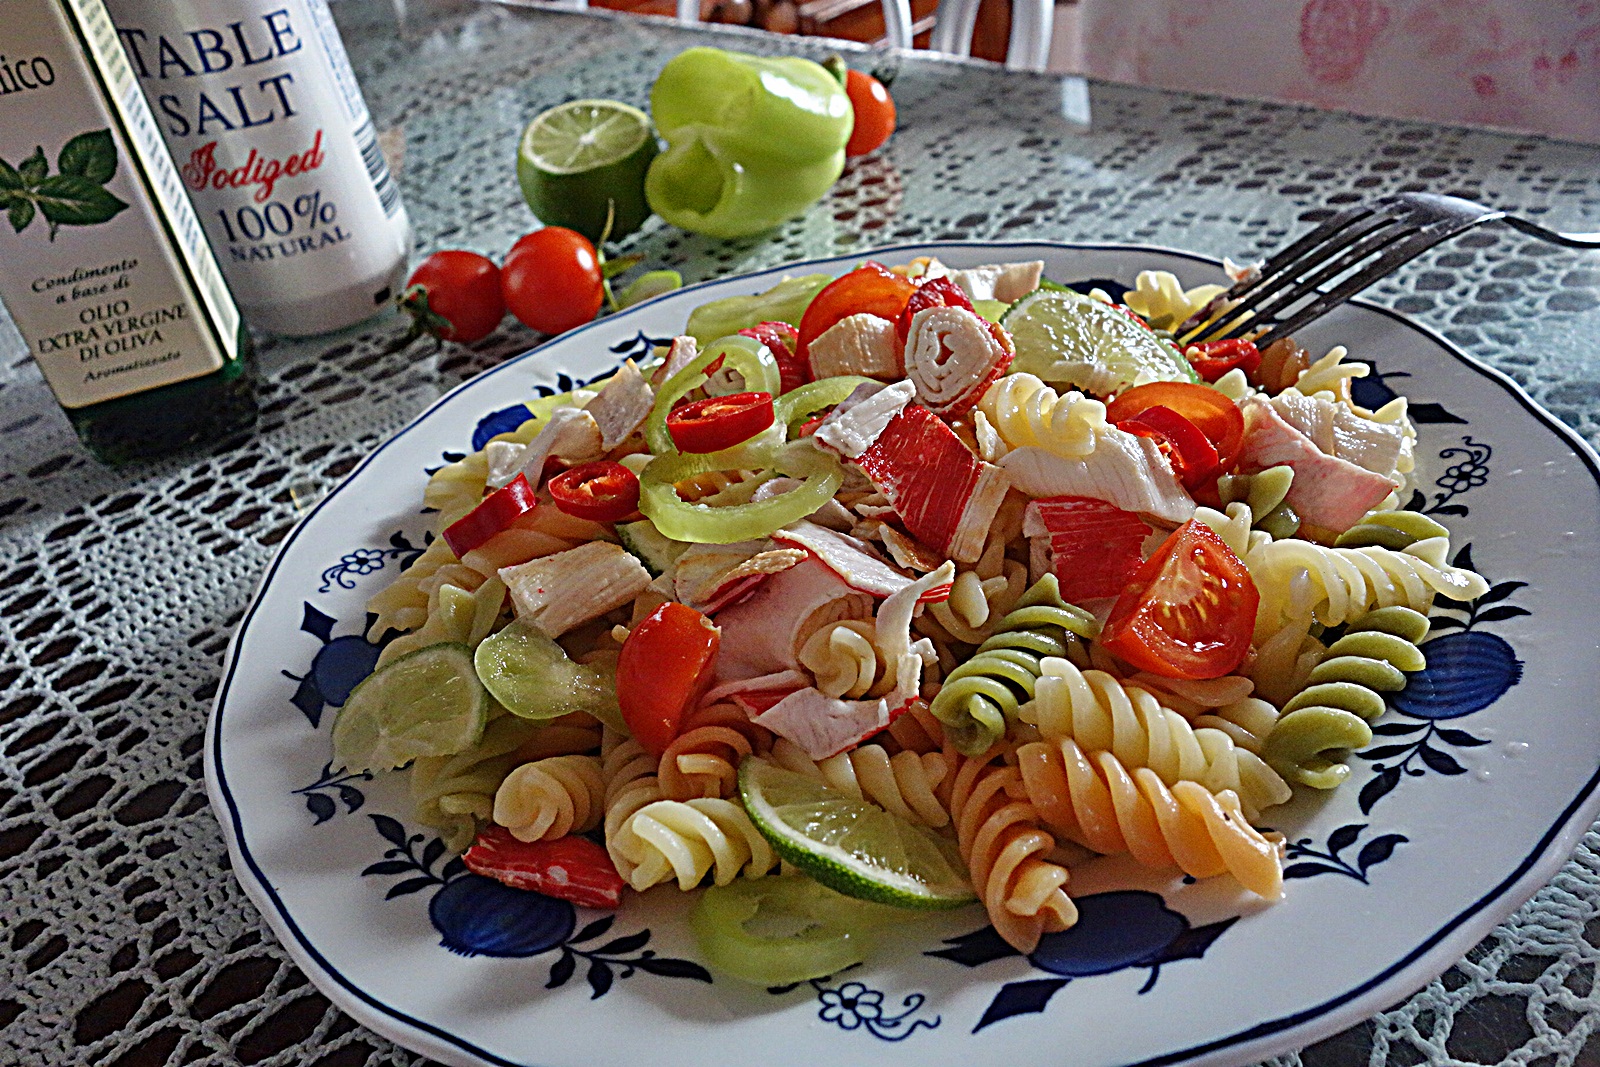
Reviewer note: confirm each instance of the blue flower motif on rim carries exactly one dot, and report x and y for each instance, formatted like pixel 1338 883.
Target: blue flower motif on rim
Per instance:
pixel 478 916
pixel 1115 931
pixel 853 1006
pixel 363 561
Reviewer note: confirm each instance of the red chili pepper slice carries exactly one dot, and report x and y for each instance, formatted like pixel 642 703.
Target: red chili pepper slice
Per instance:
pixel 499 511
pixel 602 491
pixel 719 422
pixel 933 293
pixel 568 868
pixel 783 341
pixel 1213 359
pixel 1193 456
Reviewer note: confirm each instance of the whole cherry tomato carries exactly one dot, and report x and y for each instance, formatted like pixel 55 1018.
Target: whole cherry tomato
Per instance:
pixel 874 110
pixel 664 667
pixel 455 296
pixel 1189 612
pixel 551 280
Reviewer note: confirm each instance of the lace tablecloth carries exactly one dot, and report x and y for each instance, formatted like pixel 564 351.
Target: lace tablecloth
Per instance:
pixel 127 940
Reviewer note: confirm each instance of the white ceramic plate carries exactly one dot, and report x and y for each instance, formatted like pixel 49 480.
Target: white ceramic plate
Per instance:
pixel 1453 817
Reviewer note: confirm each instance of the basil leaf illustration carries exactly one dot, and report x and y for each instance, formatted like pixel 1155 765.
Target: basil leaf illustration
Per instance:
pixel 73 200
pixel 34 168
pixel 10 180
pixel 90 155
pixel 20 214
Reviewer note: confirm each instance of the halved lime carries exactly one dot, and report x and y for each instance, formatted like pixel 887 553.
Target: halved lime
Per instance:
pixel 849 845
pixel 427 703
pixel 533 678
pixel 1067 338
pixel 577 157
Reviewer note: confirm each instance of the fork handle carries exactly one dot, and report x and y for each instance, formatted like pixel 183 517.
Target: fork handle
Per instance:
pixel 1569 240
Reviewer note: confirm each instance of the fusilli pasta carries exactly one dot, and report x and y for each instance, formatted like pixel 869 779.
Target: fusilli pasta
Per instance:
pixel 907 784
pixel 979 697
pixel 703 760
pixel 1098 802
pixel 686 840
pixel 551 798
pixel 1104 714
pixel 1023 411
pixel 1004 847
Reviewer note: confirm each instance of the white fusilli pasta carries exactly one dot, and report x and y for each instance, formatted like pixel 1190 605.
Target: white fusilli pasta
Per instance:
pixel 1025 411
pixel 551 798
pixel 686 840
pixel 1104 714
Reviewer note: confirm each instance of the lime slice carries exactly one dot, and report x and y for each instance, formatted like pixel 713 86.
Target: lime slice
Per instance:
pixel 428 703
pixel 577 157
pixel 1072 339
pixel 849 845
pixel 533 678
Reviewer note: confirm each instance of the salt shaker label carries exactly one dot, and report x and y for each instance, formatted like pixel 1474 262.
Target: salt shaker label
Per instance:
pixel 263 115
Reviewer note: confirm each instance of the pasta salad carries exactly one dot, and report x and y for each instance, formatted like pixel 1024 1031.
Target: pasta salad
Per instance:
pixel 903 590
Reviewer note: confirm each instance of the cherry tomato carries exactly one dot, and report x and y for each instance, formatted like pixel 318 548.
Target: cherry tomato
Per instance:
pixel 1212 359
pixel 874 109
pixel 1193 456
pixel 455 296
pixel 719 422
pixel 664 667
pixel 933 293
pixel 499 511
pixel 871 288
pixel 551 280
pixel 1189 612
pixel 1216 416
pixel 602 491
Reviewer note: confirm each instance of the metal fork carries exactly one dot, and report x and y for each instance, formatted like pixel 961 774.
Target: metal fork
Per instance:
pixel 1343 256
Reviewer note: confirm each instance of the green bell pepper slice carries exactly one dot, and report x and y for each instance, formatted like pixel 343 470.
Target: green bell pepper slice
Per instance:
pixel 752 140
pixel 785 302
pixel 703 524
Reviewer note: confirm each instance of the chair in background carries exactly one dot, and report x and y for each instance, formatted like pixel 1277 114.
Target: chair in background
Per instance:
pixel 1031 22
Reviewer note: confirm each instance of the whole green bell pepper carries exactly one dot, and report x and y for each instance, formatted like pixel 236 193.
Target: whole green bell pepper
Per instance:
pixel 752 140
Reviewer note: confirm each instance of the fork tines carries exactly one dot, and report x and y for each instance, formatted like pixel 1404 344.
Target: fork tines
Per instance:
pixel 1348 252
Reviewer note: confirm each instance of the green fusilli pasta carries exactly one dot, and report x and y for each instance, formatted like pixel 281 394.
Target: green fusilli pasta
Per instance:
pixel 1330 716
pixel 981 695
pixel 1265 493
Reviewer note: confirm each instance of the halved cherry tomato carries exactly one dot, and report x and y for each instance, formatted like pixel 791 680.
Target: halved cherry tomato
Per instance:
pixel 872 288
pixel 1189 612
pixel 719 422
pixel 1216 416
pixel 782 340
pixel 933 293
pixel 874 110
pixel 664 667
pixel 602 491
pixel 568 868
pixel 1212 359
pixel 1193 456
pixel 499 511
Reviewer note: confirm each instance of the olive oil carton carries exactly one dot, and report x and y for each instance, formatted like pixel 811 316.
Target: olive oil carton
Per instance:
pixel 103 264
